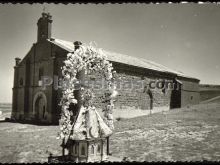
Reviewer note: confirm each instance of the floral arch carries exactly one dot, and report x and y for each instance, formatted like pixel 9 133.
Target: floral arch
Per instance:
pixel 85 59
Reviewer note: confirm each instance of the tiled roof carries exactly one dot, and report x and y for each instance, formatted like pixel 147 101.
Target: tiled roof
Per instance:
pixel 89 125
pixel 125 59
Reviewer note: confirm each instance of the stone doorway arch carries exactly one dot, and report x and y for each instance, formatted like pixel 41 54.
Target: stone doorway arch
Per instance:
pixel 40 107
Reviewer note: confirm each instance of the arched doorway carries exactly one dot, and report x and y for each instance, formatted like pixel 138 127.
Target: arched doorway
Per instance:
pixel 40 107
pixel 146 99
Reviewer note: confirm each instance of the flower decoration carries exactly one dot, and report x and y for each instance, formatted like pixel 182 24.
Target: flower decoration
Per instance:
pixel 89 59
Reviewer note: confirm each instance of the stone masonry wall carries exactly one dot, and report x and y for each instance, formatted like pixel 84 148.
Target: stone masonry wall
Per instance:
pixel 131 92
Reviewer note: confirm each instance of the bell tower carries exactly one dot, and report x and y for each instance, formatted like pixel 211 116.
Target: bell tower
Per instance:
pixel 44 27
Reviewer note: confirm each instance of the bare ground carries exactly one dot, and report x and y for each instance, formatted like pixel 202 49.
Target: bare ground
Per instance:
pixel 187 134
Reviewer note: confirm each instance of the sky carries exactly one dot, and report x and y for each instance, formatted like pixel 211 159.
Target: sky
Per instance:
pixel 185 37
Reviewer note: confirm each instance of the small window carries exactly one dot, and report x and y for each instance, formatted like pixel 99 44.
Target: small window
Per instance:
pixel 21 81
pixel 191 97
pixel 41 73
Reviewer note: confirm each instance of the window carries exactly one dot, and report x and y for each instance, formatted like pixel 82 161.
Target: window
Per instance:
pixel 191 97
pixel 21 81
pixel 41 73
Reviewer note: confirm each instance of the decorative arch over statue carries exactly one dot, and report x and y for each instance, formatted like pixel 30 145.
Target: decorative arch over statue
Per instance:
pixel 84 60
pixel 80 123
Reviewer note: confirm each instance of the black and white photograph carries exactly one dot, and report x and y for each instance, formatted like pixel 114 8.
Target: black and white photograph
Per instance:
pixel 109 82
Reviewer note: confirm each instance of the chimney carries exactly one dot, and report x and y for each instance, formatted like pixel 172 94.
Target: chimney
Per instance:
pixel 17 61
pixel 44 27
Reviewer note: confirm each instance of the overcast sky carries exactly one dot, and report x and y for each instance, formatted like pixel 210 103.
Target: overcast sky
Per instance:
pixel 185 37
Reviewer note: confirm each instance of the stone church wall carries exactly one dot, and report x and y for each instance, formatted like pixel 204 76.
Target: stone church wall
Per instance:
pixel 131 94
pixel 136 97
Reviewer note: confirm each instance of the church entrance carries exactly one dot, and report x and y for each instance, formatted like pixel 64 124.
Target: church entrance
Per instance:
pixel 40 107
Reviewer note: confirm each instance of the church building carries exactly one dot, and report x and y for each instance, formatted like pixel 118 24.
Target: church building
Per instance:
pixel 33 103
